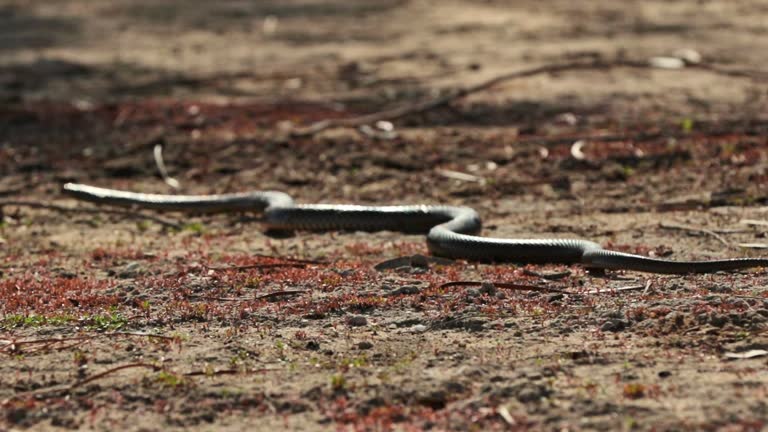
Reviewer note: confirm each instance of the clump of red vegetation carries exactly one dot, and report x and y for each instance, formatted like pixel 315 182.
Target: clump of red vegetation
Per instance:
pixel 113 255
pixel 33 294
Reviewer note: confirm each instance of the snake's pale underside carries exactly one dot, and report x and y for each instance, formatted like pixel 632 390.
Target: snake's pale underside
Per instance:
pixel 452 232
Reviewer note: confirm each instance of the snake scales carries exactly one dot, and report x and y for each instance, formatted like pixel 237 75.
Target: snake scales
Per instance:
pixel 451 231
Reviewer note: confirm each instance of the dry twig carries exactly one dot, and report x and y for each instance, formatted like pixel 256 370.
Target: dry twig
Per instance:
pixel 149 335
pixel 13 346
pixel 61 209
pixel 228 372
pixel 675 226
pixel 82 382
pixel 287 262
pixel 296 260
pixel 616 290
pixel 505 285
pixel 260 266
pixel 280 294
pixel 420 107
pixel 261 297
pixel 548 276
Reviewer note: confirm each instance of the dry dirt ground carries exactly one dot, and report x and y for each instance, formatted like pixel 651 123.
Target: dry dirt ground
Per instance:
pixel 112 322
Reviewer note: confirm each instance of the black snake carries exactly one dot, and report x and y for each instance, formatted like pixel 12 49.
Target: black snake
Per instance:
pixel 451 230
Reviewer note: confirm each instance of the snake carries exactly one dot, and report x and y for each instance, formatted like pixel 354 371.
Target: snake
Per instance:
pixel 451 231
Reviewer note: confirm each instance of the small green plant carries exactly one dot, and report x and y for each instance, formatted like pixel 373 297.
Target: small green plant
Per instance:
pixel 239 358
pixel 170 380
pixel 355 362
pixel 338 382
pixel 687 125
pixel 113 321
pixel 404 363
pixel 282 349
pixel 18 320
pixel 195 227
pixel 627 171
pixel 727 149
pixel 79 357
pixel 630 423
pixel 209 371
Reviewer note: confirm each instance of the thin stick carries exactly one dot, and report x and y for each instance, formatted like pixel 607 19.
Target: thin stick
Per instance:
pixel 296 260
pixel 80 338
pixel 229 372
pixel 505 285
pixel 113 370
pixel 48 345
pixel 675 226
pixel 615 290
pixel 288 262
pixel 260 266
pixel 77 384
pixel 62 209
pixel 137 334
pixel 11 346
pixel 240 299
pixel 47 340
pixel 214 298
pixel 280 294
pixel 420 107
pixel 548 276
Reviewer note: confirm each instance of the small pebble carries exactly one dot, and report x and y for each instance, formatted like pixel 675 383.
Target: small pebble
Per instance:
pixel 364 345
pixel 130 271
pixel 555 297
pixel 357 321
pixel 419 261
pixel 405 290
pixel 488 288
pixel 313 345
pixel 613 325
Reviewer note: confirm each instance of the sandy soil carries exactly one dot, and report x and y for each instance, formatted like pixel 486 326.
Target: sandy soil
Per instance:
pixel 113 322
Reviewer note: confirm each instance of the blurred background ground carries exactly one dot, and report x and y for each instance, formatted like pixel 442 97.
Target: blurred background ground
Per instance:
pixel 88 88
pixel 336 51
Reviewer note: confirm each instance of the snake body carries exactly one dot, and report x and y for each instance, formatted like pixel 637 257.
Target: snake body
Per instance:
pixel 452 231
